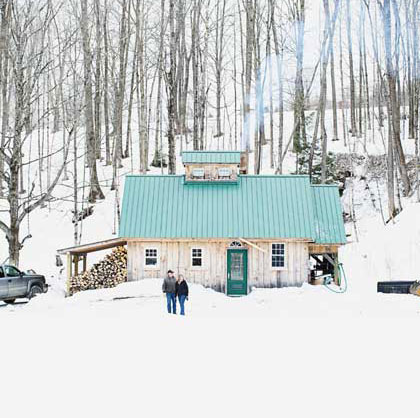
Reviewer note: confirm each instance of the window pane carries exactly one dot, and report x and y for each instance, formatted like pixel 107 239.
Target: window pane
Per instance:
pixel 151 257
pixel 277 255
pixel 236 266
pixel 198 172
pixel 196 261
pixel 196 256
pixel 151 261
pixel 196 252
pixel 225 172
pixel 277 249
pixel 151 252
pixel 277 261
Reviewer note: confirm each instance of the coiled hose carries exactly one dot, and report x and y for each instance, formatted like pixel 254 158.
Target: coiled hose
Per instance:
pixel 342 280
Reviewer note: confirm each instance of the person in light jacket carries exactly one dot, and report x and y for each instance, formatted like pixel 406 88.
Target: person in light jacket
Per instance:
pixel 169 288
pixel 182 292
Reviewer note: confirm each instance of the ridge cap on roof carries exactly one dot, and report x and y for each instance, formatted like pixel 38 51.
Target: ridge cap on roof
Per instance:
pixel 211 151
pixel 155 175
pixel 275 176
pixel 325 185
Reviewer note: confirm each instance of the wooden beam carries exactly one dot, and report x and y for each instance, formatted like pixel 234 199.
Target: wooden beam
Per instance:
pixel 84 258
pixel 95 246
pixel 76 264
pixel 253 245
pixel 69 271
pixel 329 259
pixel 323 249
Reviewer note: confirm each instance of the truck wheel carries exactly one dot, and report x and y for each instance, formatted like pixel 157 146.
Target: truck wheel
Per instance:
pixel 35 290
pixel 10 301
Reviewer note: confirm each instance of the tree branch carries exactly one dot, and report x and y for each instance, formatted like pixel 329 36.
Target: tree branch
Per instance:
pixel 5 228
pixel 47 194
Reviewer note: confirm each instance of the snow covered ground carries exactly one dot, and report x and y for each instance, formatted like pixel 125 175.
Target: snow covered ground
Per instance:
pixel 290 352
pixel 293 352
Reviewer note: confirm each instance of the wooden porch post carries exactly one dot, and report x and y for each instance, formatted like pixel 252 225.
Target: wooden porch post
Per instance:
pixel 69 270
pixel 76 264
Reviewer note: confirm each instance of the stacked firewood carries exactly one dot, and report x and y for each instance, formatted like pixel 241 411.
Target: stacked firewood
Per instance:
pixel 109 272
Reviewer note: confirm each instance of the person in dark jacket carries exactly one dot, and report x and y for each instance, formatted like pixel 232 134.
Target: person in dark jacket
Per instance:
pixel 182 292
pixel 169 288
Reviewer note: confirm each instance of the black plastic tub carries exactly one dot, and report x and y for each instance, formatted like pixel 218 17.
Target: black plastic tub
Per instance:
pixel 394 287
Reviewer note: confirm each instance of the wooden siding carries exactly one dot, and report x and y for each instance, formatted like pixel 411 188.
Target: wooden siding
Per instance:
pixel 176 255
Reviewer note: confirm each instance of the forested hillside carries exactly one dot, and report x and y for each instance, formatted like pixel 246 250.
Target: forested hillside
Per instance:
pixel 91 90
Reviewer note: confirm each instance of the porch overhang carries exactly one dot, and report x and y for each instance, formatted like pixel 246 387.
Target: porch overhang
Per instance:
pixel 94 246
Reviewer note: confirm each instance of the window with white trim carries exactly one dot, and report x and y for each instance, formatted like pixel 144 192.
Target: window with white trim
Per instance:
pixel 151 257
pixel 278 255
pixel 196 257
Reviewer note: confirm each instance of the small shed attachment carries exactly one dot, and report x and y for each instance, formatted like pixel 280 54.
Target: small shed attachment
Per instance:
pixel 79 253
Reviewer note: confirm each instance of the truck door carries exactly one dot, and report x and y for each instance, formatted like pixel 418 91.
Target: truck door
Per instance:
pixel 4 284
pixel 17 283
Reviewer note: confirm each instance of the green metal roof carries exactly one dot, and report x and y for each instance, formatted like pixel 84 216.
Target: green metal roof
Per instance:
pixel 255 207
pixel 211 157
pixel 328 215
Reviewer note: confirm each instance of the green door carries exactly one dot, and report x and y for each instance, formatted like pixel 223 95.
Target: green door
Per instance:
pixel 237 272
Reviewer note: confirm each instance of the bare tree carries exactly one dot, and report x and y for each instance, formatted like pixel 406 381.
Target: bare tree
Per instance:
pixel 218 62
pixel 394 107
pixel 171 90
pixel 278 47
pixel 297 12
pixel 250 30
pixel 27 20
pixel 95 189
pixel 351 69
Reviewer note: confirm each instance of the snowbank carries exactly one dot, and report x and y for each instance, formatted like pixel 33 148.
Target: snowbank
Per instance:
pixel 144 299
pixel 264 355
pixel 384 252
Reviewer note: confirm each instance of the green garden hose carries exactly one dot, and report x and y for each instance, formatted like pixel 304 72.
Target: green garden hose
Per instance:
pixel 342 280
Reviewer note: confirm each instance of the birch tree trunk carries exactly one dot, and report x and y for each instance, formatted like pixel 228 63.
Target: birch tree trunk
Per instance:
pixel 98 76
pixel 106 88
pixel 5 11
pixel 351 69
pixel 141 102
pixel 158 158
pixel 391 75
pixel 95 189
pixel 171 81
pixel 299 100
pixel 195 45
pixel 279 60
pixel 249 48
pixel 219 45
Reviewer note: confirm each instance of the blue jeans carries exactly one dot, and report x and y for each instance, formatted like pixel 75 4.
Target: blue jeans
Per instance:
pixel 181 303
pixel 171 299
